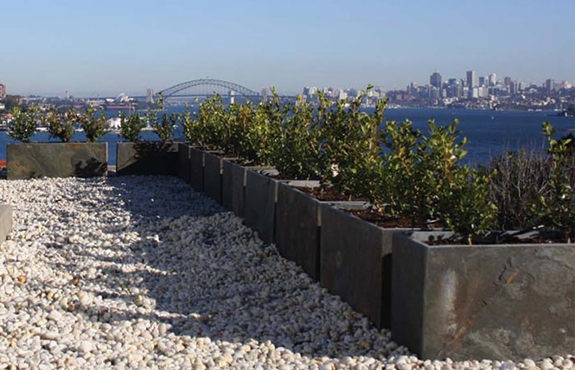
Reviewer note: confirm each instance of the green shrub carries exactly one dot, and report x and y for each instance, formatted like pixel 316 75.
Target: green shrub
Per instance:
pixel 208 128
pixel 94 126
pixel 403 188
pixel 164 126
pixel 351 148
pixel 131 126
pixel 295 142
pixel 61 126
pixel 465 205
pixel 23 124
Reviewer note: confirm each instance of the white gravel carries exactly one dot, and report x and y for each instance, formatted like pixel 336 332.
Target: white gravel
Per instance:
pixel 143 272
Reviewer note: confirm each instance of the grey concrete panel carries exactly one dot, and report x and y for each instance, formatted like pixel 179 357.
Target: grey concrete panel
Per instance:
pixel 213 165
pixel 34 160
pixel 147 158
pixel 197 169
pixel 356 263
pixel 259 204
pixel 484 301
pixel 297 228
pixel 233 183
pixel 184 162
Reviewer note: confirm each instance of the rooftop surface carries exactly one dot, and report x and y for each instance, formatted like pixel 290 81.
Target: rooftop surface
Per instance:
pixel 144 272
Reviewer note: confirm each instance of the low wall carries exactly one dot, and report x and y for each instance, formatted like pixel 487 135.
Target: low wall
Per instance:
pixel 34 160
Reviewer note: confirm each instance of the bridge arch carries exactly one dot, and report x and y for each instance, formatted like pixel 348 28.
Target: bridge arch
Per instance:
pixel 238 89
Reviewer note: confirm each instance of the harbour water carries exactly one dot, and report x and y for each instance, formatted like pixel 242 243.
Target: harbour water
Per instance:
pixel 489 132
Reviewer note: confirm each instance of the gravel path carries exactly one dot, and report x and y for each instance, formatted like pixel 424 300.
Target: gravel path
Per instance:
pixel 143 272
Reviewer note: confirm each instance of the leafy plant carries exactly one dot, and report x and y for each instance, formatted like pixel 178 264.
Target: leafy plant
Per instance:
pixel 23 124
pixel 557 207
pixel 426 183
pixel 245 139
pixel 94 126
pixel 295 144
pixel 61 126
pixel 351 147
pixel 131 126
pixel 163 127
pixel 404 189
pixel 465 205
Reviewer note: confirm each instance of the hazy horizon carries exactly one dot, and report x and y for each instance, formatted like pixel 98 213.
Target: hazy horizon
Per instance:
pixel 92 48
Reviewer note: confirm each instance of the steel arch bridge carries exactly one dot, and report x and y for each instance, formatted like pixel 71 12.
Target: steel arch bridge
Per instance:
pixel 206 87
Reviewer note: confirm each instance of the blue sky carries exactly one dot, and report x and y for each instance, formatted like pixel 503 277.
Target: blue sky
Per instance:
pixel 107 47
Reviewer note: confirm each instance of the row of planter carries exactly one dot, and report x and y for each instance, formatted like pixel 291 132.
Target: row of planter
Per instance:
pixel 457 301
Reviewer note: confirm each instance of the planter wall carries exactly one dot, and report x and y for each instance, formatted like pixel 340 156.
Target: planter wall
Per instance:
pixel 184 162
pixel 233 183
pixel 32 160
pixel 356 263
pixel 213 164
pixel 147 158
pixel 483 301
pixel 297 228
pixel 260 198
pixel 5 221
pixel 197 169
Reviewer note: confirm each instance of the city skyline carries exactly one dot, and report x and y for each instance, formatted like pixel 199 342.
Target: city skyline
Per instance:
pixel 112 47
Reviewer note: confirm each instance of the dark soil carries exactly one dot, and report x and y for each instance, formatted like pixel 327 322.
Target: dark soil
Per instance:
pixel 382 220
pixel 327 195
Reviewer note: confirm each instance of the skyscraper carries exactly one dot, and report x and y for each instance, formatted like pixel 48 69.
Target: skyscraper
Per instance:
pixel 472 79
pixel 507 81
pixel 492 79
pixel 549 84
pixel 435 80
pixel 2 91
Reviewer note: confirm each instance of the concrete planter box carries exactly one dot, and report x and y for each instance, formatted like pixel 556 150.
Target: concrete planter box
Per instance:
pixel 34 160
pixel 298 224
pixel 356 263
pixel 483 301
pixel 5 222
pixel 197 168
pixel 260 196
pixel 184 162
pixel 147 158
pixel 233 184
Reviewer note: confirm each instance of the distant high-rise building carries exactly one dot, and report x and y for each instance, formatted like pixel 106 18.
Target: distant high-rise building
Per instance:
pixel 483 92
pixel 549 84
pixel 513 88
pixel 472 79
pixel 507 81
pixel 150 96
pixel 492 79
pixel 434 93
pixel 2 91
pixel 435 80
pixel 482 81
